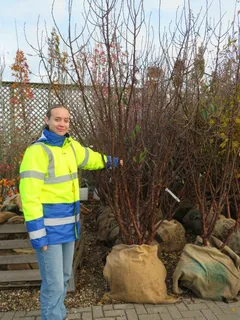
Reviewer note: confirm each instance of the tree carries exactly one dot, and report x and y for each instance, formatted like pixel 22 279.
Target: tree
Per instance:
pixel 151 108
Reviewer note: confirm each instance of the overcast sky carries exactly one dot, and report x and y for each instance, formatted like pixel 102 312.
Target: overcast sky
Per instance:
pixel 15 13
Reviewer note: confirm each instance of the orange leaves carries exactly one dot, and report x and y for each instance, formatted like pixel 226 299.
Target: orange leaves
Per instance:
pixel 29 94
pixel 14 100
pixel 21 87
pixel 20 67
pixel 7 183
pixel 7 189
pixel 9 178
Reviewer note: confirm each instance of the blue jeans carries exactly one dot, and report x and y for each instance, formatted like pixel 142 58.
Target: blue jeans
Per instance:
pixel 55 266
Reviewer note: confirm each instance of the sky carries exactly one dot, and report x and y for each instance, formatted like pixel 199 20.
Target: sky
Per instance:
pixel 17 15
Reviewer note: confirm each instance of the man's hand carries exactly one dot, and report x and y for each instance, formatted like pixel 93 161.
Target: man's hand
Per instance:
pixel 44 248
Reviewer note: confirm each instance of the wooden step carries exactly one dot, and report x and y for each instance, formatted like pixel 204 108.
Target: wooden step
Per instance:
pixel 12 228
pixel 15 244
pixel 18 258
pixel 20 275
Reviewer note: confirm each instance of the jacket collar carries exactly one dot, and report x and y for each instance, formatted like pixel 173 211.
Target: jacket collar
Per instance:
pixel 52 139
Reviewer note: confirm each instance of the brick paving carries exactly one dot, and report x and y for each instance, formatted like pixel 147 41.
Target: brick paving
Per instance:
pixel 196 309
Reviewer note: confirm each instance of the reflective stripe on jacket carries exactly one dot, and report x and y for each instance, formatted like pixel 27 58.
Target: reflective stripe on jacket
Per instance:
pixel 49 189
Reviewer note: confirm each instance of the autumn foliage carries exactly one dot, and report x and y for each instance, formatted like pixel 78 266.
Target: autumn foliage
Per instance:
pixel 21 86
pixel 20 109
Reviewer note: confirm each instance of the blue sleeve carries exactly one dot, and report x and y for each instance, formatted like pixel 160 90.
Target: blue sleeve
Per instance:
pixel 109 162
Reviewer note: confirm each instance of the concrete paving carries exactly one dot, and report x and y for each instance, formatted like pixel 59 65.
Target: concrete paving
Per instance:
pixel 191 309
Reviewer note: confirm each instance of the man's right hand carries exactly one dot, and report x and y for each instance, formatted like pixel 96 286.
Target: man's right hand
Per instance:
pixel 44 248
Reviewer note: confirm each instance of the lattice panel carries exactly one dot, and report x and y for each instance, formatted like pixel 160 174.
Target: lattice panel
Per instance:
pixel 18 126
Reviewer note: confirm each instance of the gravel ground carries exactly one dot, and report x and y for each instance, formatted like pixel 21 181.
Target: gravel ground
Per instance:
pixel 91 285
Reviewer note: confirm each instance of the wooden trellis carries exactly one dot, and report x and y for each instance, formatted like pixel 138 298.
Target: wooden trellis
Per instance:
pixel 13 129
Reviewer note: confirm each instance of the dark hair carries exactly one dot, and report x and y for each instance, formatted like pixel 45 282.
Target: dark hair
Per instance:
pixel 55 106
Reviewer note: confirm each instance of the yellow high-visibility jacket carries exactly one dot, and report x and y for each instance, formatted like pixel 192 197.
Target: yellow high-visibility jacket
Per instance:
pixel 49 189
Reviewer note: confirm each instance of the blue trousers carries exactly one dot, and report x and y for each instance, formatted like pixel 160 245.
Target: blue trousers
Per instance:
pixel 55 266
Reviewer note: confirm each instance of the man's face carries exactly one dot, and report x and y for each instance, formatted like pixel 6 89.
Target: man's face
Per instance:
pixel 59 121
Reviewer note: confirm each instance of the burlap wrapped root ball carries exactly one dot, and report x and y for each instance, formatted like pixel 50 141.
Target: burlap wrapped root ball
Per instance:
pixel 136 274
pixel 208 272
pixel 221 230
pixel 170 236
